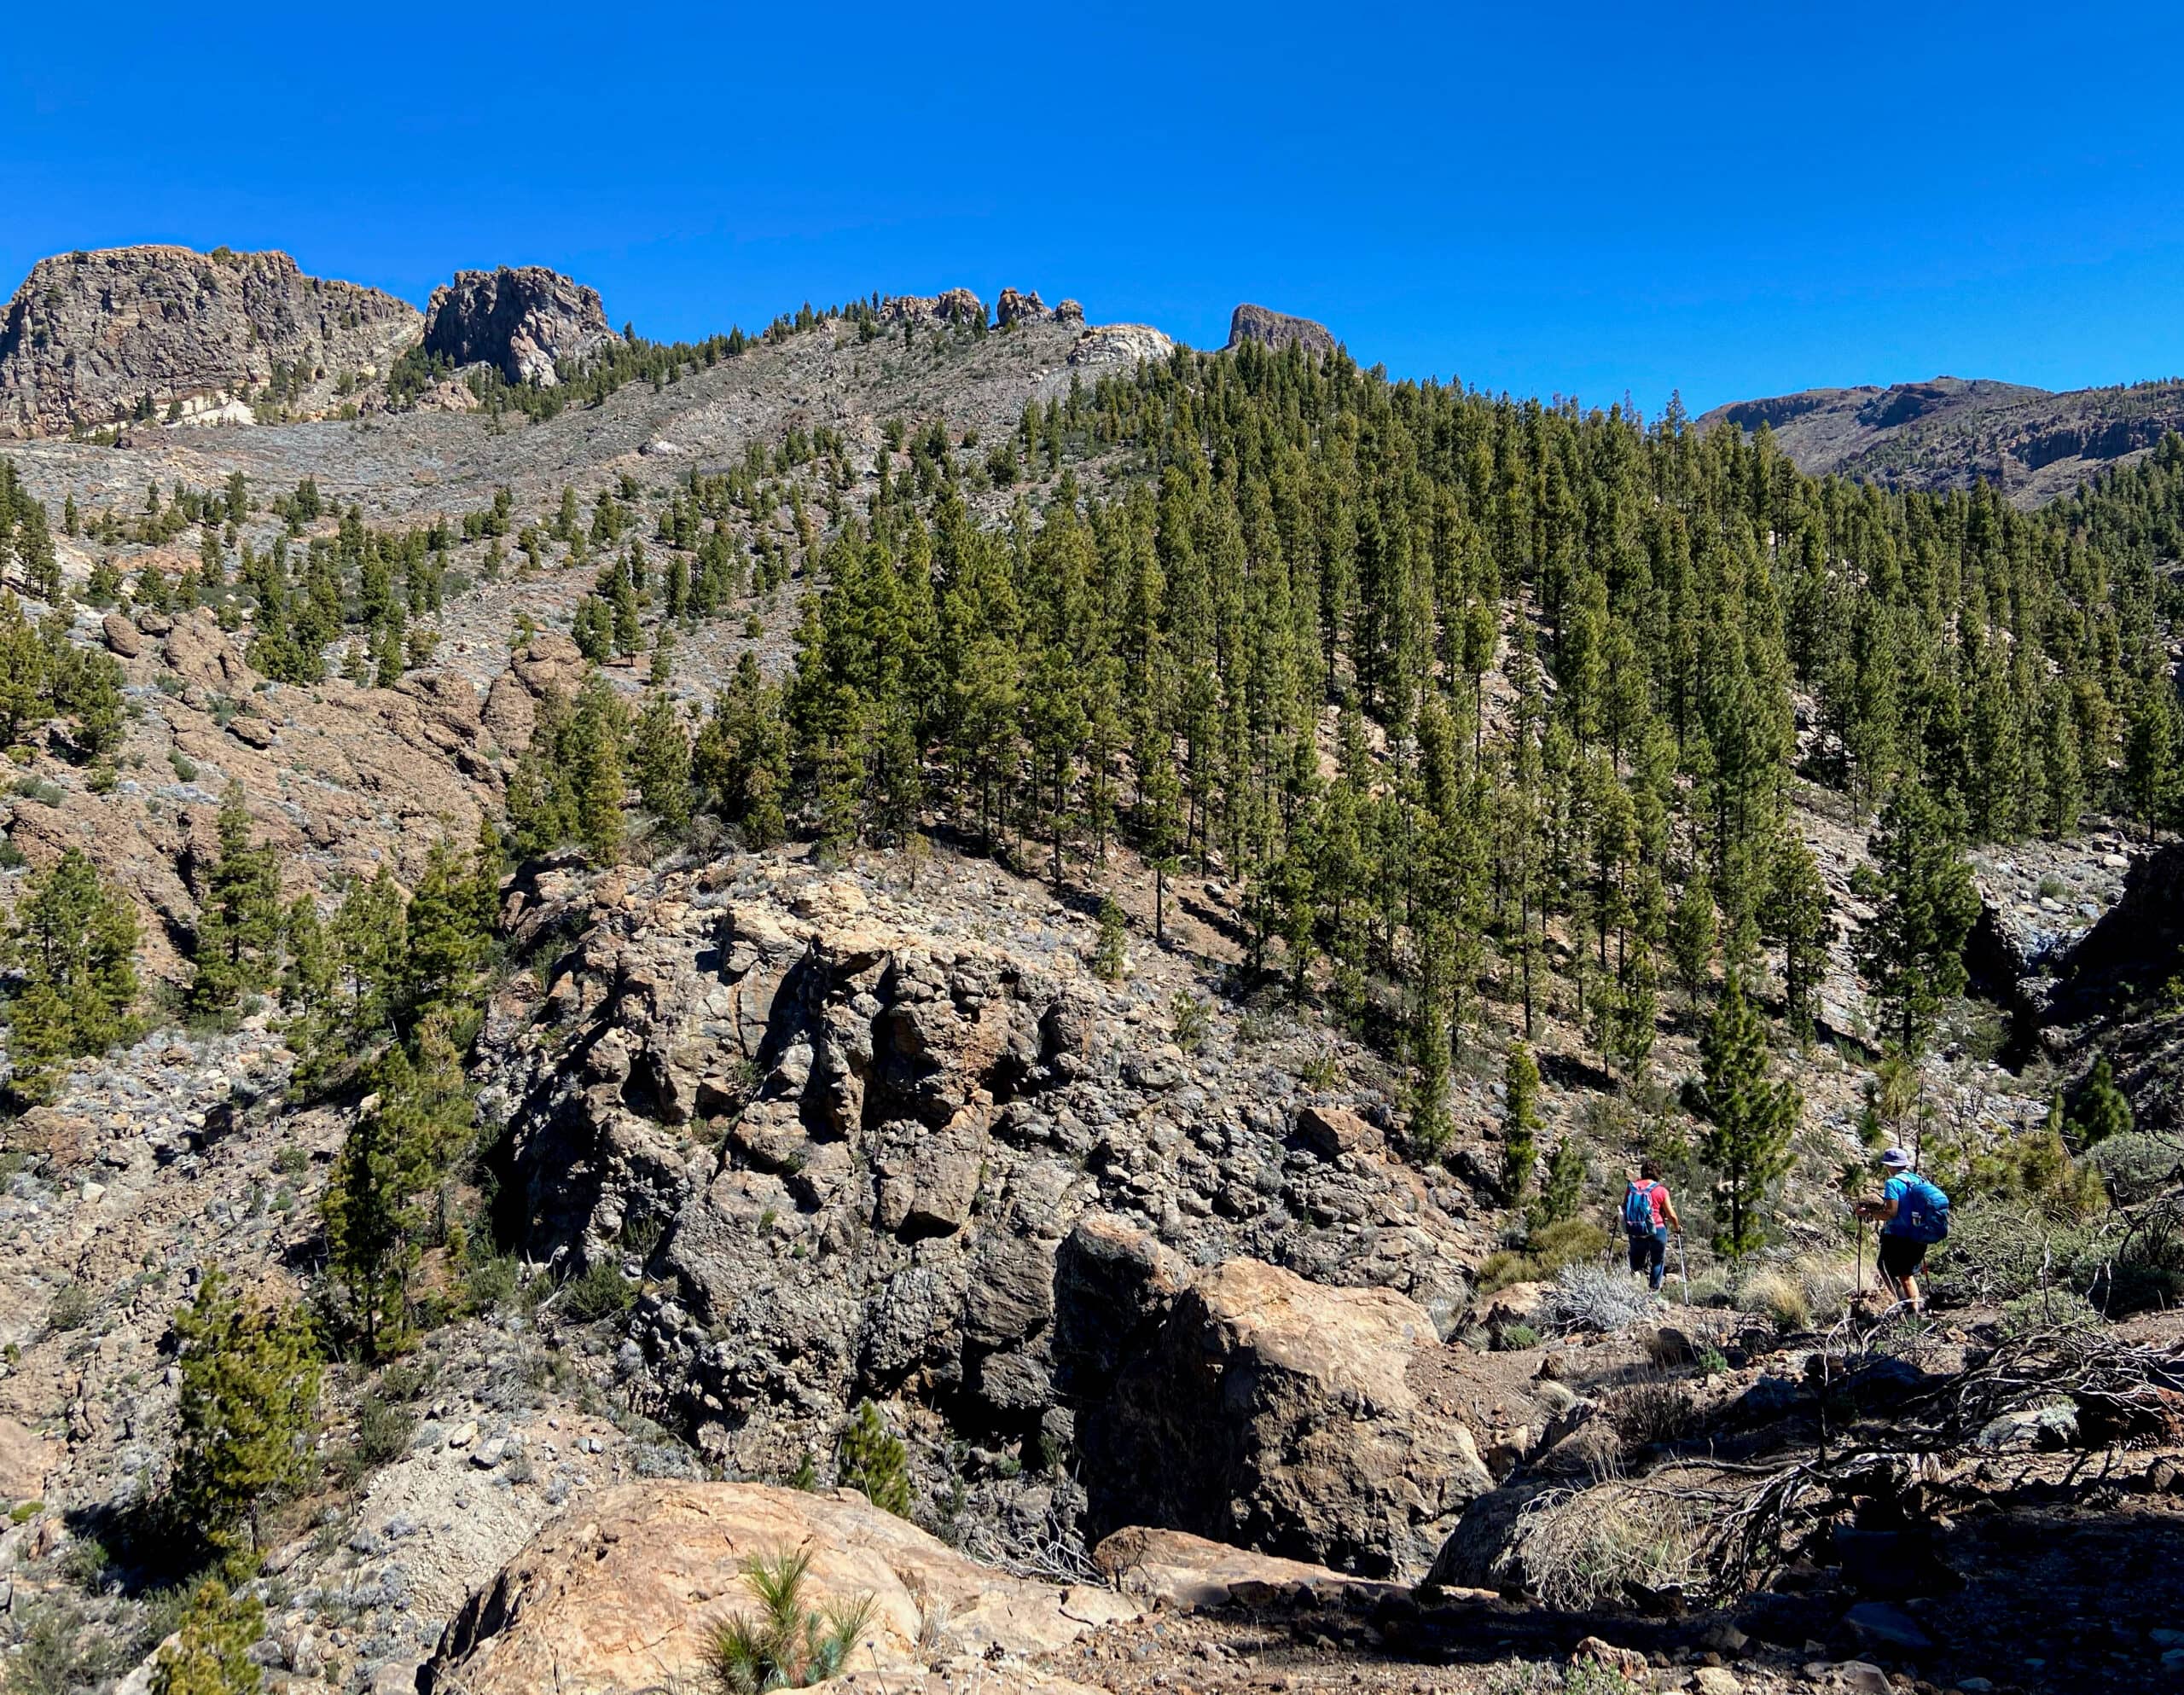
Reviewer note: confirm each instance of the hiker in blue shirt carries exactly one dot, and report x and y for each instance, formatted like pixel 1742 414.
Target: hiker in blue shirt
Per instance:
pixel 1913 1215
pixel 1647 1216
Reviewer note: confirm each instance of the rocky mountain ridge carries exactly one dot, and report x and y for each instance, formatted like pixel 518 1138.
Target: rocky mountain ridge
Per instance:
pixel 1949 431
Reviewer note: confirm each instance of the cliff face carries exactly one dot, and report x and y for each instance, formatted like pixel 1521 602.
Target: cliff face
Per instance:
pixel 1278 329
pixel 90 338
pixel 519 319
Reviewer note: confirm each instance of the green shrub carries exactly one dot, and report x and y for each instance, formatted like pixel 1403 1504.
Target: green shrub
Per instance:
pixel 490 1285
pixel 1567 1241
pixel 2135 1165
pixel 599 1291
pixel 1107 958
pixel 786 1644
pixel 875 1462
pixel 1512 1339
pixel 71 1308
pixel 1193 1023
pixel 383 1431
pixel 2049 1310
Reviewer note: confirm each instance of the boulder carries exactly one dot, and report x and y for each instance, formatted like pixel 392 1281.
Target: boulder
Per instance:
pixel 521 320
pixel 1280 1415
pixel 198 651
pixel 549 661
pixel 619 1594
pixel 960 307
pixel 121 636
pixel 1185 1573
pixel 1113 345
pixel 1629 1664
pixel 1278 329
pixel 1330 1132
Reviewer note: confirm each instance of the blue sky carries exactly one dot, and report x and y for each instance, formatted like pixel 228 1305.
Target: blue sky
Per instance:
pixel 1592 200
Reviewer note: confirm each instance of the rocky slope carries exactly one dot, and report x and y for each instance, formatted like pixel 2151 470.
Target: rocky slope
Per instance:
pixel 1187 1352
pixel 1950 433
pixel 93 339
pixel 521 320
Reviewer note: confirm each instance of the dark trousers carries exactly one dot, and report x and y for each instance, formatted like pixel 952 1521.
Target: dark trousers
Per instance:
pixel 1649 1253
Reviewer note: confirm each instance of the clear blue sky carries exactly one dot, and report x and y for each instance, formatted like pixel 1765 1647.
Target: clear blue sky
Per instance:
pixel 1590 199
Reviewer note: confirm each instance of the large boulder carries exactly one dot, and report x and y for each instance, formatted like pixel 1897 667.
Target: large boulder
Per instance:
pixel 1275 1414
pixel 1278 329
pixel 1110 345
pixel 621 1593
pixel 520 319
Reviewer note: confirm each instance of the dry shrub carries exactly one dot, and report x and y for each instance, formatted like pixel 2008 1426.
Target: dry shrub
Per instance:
pixel 1778 1295
pixel 1650 1412
pixel 1586 1298
pixel 1577 1549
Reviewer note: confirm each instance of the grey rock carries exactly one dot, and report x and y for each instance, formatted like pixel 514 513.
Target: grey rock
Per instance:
pixel 1878 1622
pixel 521 320
pixel 1251 323
pixel 90 335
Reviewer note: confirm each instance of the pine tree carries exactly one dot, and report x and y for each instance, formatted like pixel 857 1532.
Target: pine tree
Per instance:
pixel 73 940
pixel 1797 918
pixel 247 1413
pixel 445 940
pixel 1749 1119
pixel 659 760
pixel 1692 931
pixel 2150 752
pixel 2102 1109
pixel 210 1655
pixel 1565 1183
pixel 1520 1121
pixel 395 1155
pixel 239 923
pixel 1912 950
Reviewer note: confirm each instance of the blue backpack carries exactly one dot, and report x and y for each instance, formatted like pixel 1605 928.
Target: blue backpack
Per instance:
pixel 1638 1208
pixel 1922 1212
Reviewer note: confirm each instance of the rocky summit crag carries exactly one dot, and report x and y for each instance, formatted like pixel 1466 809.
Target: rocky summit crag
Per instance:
pixel 94 338
pixel 1250 323
pixel 523 321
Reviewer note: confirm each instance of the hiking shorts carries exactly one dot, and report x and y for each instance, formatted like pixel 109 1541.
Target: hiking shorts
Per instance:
pixel 1649 1253
pixel 1901 1257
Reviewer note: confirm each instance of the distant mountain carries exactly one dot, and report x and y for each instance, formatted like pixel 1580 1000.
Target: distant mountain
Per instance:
pixel 1950 433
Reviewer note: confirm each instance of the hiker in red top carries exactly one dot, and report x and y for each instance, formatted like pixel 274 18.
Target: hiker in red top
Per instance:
pixel 1648 1215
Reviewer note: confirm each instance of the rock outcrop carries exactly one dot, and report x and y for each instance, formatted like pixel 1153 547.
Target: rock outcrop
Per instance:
pixel 1119 344
pixel 1012 307
pixel 958 308
pixel 889 1150
pixel 1282 1414
pixel 522 320
pixel 622 1594
pixel 1278 329
pixel 167 334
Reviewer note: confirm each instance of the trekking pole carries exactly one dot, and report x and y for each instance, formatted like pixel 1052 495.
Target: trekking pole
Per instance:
pixel 1862 1259
pixel 1683 1259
